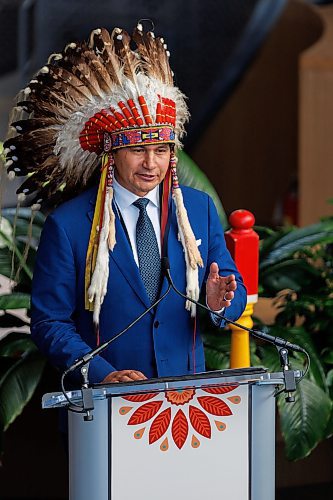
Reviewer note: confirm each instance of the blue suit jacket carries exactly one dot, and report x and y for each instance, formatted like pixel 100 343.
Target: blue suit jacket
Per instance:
pixel 161 344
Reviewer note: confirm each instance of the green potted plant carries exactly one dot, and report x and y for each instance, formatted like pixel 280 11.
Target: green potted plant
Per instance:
pixel 21 365
pixel 295 271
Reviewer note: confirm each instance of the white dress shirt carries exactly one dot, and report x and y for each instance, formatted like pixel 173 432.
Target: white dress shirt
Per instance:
pixel 124 200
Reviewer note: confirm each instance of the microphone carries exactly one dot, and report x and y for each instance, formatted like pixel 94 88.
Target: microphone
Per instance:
pixel 87 398
pixel 78 363
pixel 277 341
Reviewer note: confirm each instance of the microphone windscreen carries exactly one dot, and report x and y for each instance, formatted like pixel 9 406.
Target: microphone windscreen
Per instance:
pixel 165 264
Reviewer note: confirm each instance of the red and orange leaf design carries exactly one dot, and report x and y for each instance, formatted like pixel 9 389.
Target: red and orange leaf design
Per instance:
pixel 214 406
pixel 145 412
pixel 159 425
pixel 140 398
pixel 223 389
pixel 179 429
pixel 200 421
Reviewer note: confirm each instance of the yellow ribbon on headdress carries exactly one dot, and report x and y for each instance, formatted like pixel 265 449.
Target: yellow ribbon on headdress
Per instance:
pixel 95 231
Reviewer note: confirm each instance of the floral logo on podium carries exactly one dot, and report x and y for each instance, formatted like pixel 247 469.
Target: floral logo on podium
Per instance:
pixel 175 415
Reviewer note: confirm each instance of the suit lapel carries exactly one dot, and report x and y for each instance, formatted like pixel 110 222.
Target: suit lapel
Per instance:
pixel 122 256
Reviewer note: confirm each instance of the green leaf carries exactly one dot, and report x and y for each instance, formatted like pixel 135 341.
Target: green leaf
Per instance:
pixel 18 386
pixel 15 301
pixel 5 262
pixel 13 242
pixel 295 241
pixel 16 345
pixel 329 378
pixel 329 427
pixel 327 356
pixel 189 174
pixel 6 230
pixel 304 423
pixel 301 237
pixel 263 231
pixel 217 349
pixel 294 274
pixel 218 339
pixel 17 250
pixel 270 358
pixel 23 217
pixel 269 241
pixel 216 360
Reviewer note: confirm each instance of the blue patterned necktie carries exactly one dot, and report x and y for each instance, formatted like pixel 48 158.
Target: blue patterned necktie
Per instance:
pixel 148 252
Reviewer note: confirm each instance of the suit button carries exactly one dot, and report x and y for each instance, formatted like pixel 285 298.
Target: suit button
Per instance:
pixel 156 324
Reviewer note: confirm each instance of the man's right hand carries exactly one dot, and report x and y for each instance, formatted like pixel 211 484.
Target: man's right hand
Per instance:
pixel 123 376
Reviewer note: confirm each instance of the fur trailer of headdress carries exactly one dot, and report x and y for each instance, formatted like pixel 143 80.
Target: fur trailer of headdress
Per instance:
pixel 85 102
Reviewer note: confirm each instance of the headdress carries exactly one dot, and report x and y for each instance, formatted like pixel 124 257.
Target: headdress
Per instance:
pixel 84 103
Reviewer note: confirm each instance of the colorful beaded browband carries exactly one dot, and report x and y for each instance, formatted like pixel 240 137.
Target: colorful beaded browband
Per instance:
pixel 128 127
pixel 143 136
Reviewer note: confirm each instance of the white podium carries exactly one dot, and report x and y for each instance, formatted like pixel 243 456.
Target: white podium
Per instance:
pixel 211 436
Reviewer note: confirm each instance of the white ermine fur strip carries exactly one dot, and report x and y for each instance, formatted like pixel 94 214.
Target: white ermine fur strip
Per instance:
pixel 189 242
pixel 192 287
pixel 98 286
pixel 187 236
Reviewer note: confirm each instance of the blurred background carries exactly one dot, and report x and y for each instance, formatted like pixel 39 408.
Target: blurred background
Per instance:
pixel 259 79
pixel 257 75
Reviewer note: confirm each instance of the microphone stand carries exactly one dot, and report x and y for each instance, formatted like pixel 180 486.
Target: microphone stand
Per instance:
pixel 288 375
pixel 281 344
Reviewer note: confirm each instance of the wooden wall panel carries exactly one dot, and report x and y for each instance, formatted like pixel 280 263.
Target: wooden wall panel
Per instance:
pixel 316 126
pixel 250 149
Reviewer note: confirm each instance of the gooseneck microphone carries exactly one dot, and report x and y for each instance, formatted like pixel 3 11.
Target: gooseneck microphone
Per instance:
pixel 78 363
pixel 83 362
pixel 277 341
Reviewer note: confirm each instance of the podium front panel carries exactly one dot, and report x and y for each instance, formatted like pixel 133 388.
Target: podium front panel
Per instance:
pixel 181 444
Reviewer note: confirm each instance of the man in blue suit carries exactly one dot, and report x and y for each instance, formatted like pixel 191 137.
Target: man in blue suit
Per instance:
pixel 164 342
pixel 104 108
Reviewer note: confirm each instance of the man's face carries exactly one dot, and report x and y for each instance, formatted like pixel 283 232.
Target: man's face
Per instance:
pixel 140 168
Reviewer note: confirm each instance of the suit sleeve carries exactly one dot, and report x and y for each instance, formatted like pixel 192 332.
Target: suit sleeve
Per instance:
pixel 54 296
pixel 219 253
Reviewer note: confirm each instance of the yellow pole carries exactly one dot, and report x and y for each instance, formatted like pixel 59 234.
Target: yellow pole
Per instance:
pixel 240 340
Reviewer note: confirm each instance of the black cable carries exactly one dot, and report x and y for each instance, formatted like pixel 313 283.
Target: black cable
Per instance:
pixel 65 394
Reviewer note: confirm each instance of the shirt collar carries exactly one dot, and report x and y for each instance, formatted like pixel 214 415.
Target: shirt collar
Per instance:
pixel 125 198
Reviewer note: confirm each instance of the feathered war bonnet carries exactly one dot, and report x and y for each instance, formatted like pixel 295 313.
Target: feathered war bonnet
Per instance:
pixel 83 104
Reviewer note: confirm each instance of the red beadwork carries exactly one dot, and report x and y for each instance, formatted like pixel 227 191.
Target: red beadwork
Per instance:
pixel 127 113
pixel 121 119
pixel 158 113
pixel 114 120
pixel 145 111
pixel 133 108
